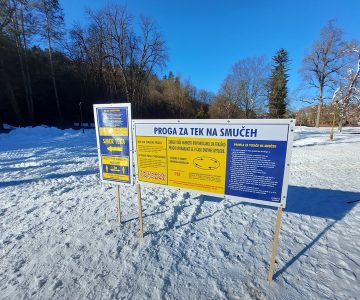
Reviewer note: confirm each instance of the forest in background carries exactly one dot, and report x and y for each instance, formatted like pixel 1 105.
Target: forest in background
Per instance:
pixel 107 61
pixel 49 75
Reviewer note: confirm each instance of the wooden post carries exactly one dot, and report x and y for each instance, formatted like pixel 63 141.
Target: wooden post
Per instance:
pixel 117 187
pixel 140 211
pixel 275 244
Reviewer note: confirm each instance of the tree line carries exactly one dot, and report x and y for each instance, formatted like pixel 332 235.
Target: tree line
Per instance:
pixel 48 74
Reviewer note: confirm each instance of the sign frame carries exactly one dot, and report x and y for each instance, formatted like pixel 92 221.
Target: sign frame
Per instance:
pixel 130 135
pixel 224 122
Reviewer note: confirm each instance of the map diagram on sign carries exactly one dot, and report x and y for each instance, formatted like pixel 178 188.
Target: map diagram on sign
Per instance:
pixel 206 163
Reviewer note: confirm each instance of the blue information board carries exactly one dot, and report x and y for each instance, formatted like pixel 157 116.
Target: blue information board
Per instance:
pixel 255 170
pixel 113 136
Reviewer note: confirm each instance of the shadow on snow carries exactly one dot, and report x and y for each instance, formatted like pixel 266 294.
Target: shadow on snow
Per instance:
pixel 315 202
pixel 48 176
pixel 322 203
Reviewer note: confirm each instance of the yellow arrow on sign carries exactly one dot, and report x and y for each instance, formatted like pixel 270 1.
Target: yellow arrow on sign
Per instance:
pixel 111 148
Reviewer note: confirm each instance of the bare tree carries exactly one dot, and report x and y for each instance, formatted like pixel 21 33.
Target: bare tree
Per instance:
pixel 324 63
pixel 5 77
pixel 151 53
pixel 205 96
pixel 223 108
pixel 20 29
pixel 51 30
pixel 348 91
pixel 125 54
pixel 178 95
pixel 85 49
pixel 6 13
pixel 245 86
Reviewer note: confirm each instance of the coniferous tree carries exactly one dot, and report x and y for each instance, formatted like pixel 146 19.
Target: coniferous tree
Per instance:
pixel 277 85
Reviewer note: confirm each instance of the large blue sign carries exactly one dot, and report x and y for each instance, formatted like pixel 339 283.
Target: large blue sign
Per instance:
pixel 114 141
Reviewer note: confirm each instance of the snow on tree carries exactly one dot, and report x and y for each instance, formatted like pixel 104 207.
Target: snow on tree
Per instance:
pixel 348 92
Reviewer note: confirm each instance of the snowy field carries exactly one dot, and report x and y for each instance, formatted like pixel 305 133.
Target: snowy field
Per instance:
pixel 59 238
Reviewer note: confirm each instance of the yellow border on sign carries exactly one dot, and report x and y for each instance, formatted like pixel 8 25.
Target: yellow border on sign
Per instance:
pixel 115 160
pixel 112 131
pixel 116 176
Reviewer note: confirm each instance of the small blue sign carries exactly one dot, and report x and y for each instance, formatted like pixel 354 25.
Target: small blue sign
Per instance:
pixel 114 141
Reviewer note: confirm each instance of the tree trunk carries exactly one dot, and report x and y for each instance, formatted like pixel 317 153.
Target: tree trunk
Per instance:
pixel 28 82
pixel 53 78
pixel 10 93
pixel 341 124
pixel 318 113
pixel 23 75
pixel 347 98
pixel 26 67
pixel 343 114
pixel 20 52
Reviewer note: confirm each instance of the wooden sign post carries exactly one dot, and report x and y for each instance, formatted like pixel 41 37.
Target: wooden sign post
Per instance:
pixel 275 244
pixel 138 188
pixel 117 191
pixel 113 128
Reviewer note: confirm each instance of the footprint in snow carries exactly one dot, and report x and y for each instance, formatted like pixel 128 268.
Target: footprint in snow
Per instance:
pixel 19 264
pixel 109 232
pixel 58 284
pixel 29 211
pixel 225 234
pixel 64 190
pixel 41 281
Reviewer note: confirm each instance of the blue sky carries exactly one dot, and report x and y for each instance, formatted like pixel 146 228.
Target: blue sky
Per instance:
pixel 204 38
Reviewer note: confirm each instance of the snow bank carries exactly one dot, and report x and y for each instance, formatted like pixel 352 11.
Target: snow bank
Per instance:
pixel 31 136
pixel 7 126
pixel 38 131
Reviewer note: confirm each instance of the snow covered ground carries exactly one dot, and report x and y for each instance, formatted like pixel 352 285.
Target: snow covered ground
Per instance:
pixel 59 238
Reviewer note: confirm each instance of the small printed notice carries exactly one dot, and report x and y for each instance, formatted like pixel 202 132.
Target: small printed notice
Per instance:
pixel 237 159
pixel 114 141
pixel 152 159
